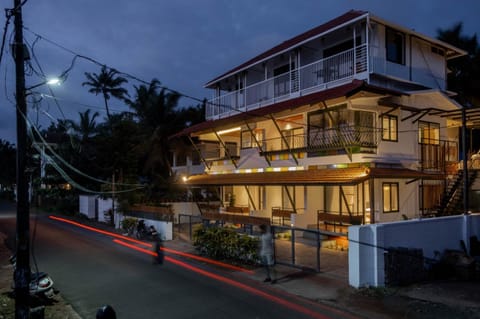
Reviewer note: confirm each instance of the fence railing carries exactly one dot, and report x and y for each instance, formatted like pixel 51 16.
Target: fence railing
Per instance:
pixel 309 78
pixel 325 138
pixel 294 247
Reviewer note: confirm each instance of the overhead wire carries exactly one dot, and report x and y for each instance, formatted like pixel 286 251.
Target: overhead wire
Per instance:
pixel 74 169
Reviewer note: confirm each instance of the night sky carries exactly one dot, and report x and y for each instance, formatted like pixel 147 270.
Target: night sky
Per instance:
pixel 182 43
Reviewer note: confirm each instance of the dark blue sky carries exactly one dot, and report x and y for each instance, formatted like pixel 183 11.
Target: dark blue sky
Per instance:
pixel 182 43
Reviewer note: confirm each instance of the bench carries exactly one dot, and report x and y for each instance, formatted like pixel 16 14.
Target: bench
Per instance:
pixel 243 210
pixel 245 220
pixel 338 221
pixel 282 214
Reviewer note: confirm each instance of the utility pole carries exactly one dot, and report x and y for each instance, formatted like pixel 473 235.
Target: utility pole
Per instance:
pixel 22 269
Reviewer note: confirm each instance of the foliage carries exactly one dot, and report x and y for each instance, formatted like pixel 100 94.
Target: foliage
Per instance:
pixel 128 223
pixel 226 244
pixel 464 75
pixel 107 83
pixel 8 159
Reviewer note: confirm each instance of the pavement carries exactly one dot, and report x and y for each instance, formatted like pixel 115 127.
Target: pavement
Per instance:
pixel 451 299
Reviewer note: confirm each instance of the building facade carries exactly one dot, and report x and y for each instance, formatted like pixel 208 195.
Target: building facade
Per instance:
pixel 346 123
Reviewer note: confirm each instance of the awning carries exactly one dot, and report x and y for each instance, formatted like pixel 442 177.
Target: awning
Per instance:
pixel 342 176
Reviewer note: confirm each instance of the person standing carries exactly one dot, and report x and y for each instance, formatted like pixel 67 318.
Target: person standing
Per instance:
pixel 267 254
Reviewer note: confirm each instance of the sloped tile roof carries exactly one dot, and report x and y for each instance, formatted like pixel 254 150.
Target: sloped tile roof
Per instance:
pixel 343 176
pixel 350 15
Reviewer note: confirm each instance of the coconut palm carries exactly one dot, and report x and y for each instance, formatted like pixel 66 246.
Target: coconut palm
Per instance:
pixel 107 83
pixel 155 109
pixel 464 75
pixel 87 127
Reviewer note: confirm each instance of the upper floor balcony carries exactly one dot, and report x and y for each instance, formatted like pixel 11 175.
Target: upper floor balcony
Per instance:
pixel 317 76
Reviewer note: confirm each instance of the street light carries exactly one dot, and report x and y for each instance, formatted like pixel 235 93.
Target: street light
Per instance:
pixel 51 81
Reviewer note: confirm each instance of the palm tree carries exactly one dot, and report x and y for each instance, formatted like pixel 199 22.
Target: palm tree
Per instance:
pixel 464 75
pixel 86 127
pixel 158 119
pixel 106 83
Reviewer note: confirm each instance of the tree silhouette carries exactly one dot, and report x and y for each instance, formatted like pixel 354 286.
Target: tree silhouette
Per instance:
pixel 107 83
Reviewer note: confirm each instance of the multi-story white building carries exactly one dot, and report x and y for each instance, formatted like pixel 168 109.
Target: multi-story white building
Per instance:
pixel 348 119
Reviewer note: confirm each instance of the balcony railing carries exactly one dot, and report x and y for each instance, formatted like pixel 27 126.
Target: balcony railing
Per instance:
pixel 325 139
pixel 310 78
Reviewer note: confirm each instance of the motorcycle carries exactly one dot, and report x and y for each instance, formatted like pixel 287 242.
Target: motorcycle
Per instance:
pixel 41 285
pixel 143 232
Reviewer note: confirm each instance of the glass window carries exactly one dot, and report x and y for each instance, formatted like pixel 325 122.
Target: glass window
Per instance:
pixel 428 133
pixel 389 128
pixel 395 46
pixel 390 198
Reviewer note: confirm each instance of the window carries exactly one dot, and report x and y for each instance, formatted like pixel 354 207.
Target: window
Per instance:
pixel 389 128
pixel 395 46
pixel 390 197
pixel 428 133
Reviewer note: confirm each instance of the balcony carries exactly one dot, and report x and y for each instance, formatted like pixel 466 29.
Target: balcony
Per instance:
pixel 345 136
pixel 317 76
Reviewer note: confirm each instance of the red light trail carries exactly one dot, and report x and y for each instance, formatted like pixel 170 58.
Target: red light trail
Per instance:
pixel 231 282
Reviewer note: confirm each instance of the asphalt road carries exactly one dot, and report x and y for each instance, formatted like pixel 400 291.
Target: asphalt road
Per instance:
pixel 91 270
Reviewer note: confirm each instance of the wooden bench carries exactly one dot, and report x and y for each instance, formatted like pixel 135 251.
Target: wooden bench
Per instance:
pixel 246 221
pixel 338 221
pixel 243 210
pixel 282 214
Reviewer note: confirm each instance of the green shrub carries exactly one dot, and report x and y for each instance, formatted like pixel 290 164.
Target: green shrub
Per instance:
pixel 128 223
pixel 226 244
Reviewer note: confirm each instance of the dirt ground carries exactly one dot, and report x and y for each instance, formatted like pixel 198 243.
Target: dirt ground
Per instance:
pixel 58 309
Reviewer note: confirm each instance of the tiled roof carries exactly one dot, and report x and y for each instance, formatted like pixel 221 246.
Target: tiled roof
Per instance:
pixel 350 15
pixel 344 176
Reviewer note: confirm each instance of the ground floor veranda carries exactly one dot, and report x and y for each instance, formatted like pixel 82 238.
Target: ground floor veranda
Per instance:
pixel 326 199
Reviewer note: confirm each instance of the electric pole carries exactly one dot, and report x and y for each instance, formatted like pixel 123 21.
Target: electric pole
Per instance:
pixel 22 270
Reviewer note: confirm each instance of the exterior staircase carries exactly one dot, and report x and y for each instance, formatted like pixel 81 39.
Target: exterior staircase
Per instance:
pixel 452 199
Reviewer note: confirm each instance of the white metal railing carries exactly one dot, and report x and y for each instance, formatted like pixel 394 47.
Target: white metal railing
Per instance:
pixel 309 78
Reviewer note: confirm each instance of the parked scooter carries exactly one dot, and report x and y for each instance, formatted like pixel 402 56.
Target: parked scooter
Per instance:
pixel 143 232
pixel 41 285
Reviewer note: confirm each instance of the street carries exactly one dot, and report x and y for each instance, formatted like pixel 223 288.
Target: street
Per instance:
pixel 90 270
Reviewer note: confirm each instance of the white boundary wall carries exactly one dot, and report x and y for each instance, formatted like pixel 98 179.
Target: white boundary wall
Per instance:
pixel 367 243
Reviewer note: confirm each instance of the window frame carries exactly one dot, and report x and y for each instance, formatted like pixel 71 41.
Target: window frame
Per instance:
pixel 389 130
pixel 395 46
pixel 393 201
pixel 430 127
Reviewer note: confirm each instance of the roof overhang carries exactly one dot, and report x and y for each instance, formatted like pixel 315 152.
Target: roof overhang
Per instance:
pixel 345 19
pixel 451 51
pixel 340 176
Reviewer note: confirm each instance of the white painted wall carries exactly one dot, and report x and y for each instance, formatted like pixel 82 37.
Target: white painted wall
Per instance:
pixel 367 243
pixel 87 205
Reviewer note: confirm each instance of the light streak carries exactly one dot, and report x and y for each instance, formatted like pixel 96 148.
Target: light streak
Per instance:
pixel 231 282
pixel 210 261
pixel 173 251
pixel 104 232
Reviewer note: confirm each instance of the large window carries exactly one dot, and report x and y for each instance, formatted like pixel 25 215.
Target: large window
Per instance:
pixel 390 198
pixel 389 128
pixel 395 46
pixel 428 133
